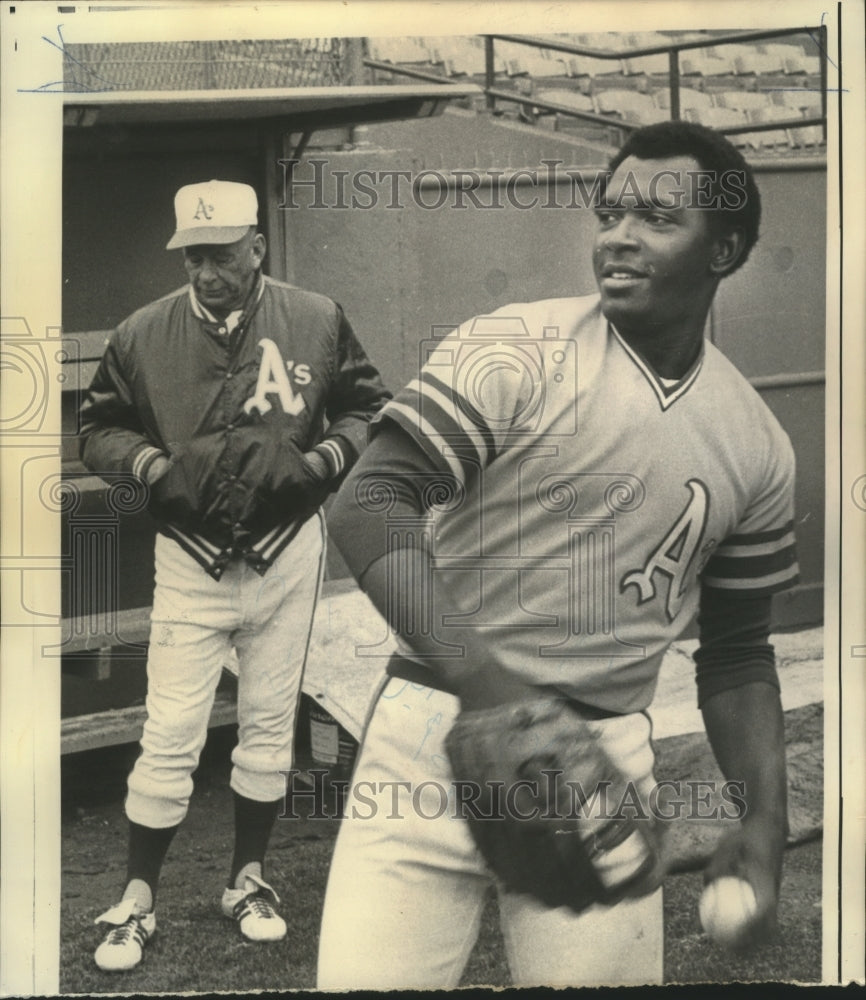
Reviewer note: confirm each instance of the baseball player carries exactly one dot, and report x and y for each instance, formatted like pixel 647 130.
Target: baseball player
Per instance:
pixel 218 397
pixel 538 516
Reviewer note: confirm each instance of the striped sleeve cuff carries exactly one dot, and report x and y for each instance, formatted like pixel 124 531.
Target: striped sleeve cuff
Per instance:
pixel 333 452
pixel 751 565
pixel 143 460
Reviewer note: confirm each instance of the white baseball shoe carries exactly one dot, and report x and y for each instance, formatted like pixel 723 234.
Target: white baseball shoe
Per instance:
pixel 253 908
pixel 124 944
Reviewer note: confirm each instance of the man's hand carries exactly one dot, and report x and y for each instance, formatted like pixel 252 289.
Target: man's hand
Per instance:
pixel 746 729
pixel 316 465
pixel 157 469
pixel 753 853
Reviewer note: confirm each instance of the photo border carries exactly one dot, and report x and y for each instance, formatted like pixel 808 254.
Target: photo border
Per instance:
pixel 31 290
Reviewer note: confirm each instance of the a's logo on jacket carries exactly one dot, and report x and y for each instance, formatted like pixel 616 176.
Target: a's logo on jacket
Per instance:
pixel 274 380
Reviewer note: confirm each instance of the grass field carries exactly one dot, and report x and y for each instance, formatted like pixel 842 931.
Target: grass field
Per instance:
pixel 196 949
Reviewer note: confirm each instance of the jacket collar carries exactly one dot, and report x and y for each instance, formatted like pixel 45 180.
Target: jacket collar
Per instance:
pixel 236 318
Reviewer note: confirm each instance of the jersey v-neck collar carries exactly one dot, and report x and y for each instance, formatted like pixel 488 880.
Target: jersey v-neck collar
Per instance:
pixel 667 391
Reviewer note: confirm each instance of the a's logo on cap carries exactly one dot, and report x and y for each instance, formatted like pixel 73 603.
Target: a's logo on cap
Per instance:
pixel 213 212
pixel 203 211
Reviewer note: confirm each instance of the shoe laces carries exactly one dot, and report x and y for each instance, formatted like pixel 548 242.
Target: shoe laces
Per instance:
pixel 258 904
pixel 122 934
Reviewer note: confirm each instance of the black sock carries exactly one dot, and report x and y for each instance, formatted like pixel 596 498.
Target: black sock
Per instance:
pixel 147 850
pixel 253 824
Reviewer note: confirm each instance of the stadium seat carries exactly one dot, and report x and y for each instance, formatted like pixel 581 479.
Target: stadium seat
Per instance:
pixel 742 100
pixel 716 117
pixel 646 39
pixel 785 50
pixel 629 105
pixel 767 141
pixel 807 135
pixel 688 36
pixel 802 63
pixel 739 83
pixel 587 66
pixel 806 102
pixel 700 62
pixel 658 63
pixel 523 60
pixel 771 113
pixel 757 63
pixel 770 139
pixel 690 99
pixel 567 98
pixel 461 57
pixel 546 63
pixel 728 52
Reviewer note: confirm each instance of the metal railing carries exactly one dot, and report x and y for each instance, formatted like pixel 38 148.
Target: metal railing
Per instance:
pixel 672 49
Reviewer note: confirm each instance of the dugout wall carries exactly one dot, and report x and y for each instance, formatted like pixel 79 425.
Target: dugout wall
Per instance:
pixel 404 266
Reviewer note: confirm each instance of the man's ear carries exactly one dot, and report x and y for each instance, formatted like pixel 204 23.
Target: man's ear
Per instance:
pixel 728 247
pixel 259 247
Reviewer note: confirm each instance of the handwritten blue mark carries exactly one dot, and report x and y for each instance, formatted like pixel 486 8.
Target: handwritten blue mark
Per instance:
pixel 412 685
pixel 819 46
pixel 396 694
pixel 808 90
pixel 73 86
pixel 432 723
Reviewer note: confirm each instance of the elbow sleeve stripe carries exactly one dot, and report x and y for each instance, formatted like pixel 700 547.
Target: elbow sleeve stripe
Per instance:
pixel 444 425
pixel 769 584
pixel 758 549
pixel 425 434
pixel 454 417
pixel 762 563
pixel 759 537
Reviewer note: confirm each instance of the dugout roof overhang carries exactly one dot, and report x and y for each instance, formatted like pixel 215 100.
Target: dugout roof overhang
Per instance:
pixel 300 108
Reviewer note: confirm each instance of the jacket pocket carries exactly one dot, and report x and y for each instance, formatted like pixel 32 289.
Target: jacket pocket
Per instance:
pixel 174 497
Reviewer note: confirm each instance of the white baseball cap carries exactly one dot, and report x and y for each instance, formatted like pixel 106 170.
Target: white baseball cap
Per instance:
pixel 213 212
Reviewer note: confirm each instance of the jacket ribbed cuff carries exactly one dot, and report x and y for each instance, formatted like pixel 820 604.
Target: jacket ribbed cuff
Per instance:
pixel 143 460
pixel 331 450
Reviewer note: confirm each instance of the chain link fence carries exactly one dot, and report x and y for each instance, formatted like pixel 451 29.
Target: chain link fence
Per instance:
pixel 207 65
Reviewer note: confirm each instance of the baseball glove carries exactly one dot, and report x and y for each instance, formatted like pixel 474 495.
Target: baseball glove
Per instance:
pixel 544 804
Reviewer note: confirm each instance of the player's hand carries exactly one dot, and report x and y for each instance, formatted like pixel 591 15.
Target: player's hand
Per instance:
pixel 753 852
pixel 316 466
pixel 157 469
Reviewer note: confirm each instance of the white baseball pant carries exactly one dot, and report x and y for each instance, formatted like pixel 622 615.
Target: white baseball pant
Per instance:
pixel 407 887
pixel 195 622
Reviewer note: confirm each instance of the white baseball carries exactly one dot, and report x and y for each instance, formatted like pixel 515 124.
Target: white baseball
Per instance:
pixel 727 907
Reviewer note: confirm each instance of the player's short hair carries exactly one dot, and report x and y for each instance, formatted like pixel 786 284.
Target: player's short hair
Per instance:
pixel 715 154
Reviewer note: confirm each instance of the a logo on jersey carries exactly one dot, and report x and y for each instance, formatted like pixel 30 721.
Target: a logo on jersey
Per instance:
pixel 675 554
pixel 274 380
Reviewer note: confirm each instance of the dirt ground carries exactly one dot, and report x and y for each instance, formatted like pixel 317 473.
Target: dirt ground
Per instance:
pixel 197 950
